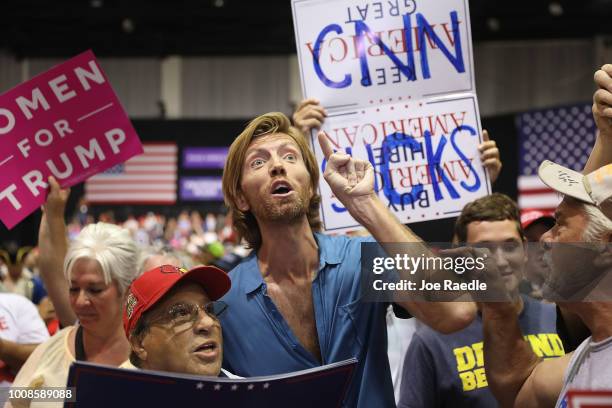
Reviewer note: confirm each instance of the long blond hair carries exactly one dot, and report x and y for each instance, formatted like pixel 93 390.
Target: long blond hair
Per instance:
pixel 269 123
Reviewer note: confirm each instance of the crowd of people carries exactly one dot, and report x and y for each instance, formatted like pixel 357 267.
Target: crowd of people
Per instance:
pixel 262 291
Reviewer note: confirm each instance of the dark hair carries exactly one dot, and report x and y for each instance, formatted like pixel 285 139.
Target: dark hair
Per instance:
pixel 494 207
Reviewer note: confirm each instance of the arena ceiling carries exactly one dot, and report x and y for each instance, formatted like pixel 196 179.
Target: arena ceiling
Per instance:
pixel 42 28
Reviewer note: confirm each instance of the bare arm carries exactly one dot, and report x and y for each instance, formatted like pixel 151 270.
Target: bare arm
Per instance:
pixel 602 113
pixel 53 244
pixel 15 354
pixel 352 182
pixel 516 376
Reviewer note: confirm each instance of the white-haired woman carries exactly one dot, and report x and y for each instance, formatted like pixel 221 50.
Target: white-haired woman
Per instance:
pixel 99 266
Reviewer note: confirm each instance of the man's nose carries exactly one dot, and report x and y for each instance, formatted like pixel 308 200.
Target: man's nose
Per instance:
pixel 204 322
pixel 276 166
pixel 500 258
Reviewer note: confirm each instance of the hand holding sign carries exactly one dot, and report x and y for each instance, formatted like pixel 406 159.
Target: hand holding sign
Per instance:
pixel 56 200
pixel 309 115
pixel 348 177
pixel 489 156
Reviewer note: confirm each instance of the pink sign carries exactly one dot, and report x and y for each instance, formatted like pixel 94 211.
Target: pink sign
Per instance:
pixel 66 122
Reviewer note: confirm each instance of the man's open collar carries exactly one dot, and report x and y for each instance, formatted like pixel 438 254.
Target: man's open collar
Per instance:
pixel 328 255
pixel 252 279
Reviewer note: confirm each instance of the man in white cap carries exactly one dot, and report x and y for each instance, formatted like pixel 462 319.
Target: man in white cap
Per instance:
pixel 580 279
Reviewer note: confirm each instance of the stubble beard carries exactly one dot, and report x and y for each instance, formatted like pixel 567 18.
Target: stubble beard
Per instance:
pixel 287 210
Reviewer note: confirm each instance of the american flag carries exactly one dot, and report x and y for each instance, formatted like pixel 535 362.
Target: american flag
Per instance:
pixel 563 135
pixel 149 178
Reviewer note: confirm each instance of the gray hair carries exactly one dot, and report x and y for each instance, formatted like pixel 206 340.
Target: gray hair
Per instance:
pixel 169 256
pixel 112 247
pixel 598 226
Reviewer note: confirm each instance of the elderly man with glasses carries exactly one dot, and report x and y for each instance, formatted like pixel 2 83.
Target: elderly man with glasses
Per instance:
pixel 171 320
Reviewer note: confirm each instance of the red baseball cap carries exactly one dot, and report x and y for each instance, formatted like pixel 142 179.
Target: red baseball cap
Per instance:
pixel 528 217
pixel 151 286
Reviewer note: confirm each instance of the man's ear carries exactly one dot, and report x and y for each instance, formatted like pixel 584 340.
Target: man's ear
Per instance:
pixel 241 202
pixel 137 347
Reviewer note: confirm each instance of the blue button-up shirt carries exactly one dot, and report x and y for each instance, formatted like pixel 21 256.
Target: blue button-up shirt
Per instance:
pixel 258 341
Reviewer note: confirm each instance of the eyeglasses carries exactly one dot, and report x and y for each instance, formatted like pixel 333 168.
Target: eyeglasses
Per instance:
pixel 183 314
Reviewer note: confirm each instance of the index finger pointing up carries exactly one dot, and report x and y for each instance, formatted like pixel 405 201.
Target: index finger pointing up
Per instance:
pixel 325 146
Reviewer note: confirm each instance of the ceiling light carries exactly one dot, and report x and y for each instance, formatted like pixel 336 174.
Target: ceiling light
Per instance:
pixel 493 24
pixel 127 25
pixel 555 9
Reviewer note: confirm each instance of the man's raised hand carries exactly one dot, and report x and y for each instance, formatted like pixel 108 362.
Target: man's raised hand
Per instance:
pixel 56 199
pixel 348 177
pixel 602 100
pixel 308 115
pixel 489 156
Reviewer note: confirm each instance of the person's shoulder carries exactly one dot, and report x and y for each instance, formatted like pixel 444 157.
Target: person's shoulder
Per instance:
pixel 54 348
pixel 15 299
pixel 244 266
pixel 425 335
pixel 343 238
pixel 245 277
pixel 341 245
pixel 59 338
pixel 17 305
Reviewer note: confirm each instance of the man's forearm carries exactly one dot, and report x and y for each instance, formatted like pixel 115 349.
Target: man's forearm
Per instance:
pixel 508 358
pixel 601 153
pixel 372 214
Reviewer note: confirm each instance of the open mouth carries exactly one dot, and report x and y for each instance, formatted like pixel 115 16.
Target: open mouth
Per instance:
pixel 207 347
pixel 281 188
pixel 208 352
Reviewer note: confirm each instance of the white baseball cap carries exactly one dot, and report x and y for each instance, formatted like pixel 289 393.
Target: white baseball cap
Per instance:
pixel 594 188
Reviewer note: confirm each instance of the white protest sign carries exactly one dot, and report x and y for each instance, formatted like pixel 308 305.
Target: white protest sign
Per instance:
pixel 425 159
pixel 360 53
pixel 396 78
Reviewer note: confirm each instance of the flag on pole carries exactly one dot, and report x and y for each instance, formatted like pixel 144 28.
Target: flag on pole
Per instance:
pixel 149 178
pixel 564 135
